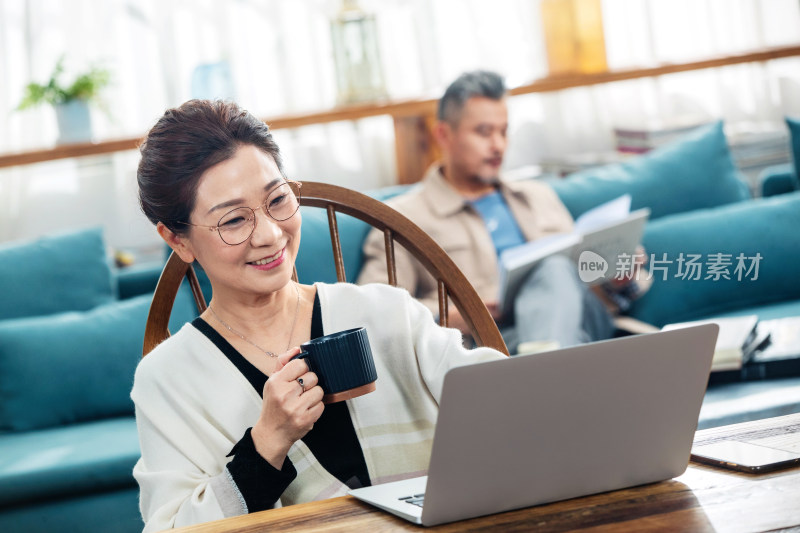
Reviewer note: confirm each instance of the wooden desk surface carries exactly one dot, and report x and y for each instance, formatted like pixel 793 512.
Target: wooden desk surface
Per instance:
pixel 702 499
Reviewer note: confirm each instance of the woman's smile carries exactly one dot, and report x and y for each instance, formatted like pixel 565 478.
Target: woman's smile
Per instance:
pixel 269 262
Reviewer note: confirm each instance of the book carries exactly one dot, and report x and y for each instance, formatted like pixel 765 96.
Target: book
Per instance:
pixel 775 353
pixel 600 236
pixel 784 339
pixel 779 354
pixel 737 341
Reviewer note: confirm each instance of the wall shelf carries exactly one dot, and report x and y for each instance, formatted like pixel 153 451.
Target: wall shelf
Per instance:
pixel 413 118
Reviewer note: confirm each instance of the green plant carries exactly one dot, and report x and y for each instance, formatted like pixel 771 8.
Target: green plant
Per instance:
pixel 86 86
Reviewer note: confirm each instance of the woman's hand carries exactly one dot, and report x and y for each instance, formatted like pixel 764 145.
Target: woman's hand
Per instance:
pixel 289 409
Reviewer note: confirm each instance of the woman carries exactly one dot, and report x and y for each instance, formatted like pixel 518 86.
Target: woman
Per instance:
pixel 228 423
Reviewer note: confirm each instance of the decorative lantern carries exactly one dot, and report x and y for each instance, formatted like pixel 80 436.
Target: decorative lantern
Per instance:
pixel 573 31
pixel 359 76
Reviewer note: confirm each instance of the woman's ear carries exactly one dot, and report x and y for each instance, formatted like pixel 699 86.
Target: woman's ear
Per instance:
pixel 178 244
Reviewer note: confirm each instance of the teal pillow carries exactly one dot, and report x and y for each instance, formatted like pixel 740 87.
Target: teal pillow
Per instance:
pixel 794 132
pixel 75 366
pixel 694 172
pixel 56 273
pixel 763 226
pixel 315 258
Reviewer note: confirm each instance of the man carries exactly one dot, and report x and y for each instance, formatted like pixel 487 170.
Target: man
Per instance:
pixel 473 214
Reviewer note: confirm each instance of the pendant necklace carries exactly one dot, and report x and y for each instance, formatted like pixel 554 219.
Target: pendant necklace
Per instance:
pixel 248 341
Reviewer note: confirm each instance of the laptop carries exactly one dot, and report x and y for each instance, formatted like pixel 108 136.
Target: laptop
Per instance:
pixel 550 426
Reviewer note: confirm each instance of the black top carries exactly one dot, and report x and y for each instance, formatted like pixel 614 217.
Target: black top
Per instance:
pixel 332 440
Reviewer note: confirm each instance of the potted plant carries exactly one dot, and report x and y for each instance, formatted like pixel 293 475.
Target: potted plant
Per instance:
pixel 71 101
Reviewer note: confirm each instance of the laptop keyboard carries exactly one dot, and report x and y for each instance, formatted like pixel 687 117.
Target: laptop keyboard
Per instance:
pixel 416 499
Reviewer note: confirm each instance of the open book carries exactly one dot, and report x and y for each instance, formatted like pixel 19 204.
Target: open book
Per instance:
pixel 600 236
pixel 784 339
pixel 739 338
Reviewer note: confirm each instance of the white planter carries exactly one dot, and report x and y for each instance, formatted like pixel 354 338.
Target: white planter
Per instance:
pixel 74 122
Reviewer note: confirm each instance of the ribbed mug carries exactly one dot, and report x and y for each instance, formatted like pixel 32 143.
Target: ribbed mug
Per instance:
pixel 343 364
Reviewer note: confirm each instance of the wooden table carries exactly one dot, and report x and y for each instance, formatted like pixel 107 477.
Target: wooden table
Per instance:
pixel 702 499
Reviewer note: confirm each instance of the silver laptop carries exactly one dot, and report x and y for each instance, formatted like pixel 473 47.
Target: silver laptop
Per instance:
pixel 539 428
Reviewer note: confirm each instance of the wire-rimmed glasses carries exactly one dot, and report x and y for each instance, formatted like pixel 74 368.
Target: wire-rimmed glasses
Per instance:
pixel 237 225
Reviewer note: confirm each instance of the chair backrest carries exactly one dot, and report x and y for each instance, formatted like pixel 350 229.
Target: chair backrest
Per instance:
pixel 395 227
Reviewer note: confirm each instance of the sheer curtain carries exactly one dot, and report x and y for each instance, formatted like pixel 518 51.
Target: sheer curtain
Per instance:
pixel 279 56
pixel 645 33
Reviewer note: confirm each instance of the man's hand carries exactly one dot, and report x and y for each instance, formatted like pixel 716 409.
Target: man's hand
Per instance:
pixel 618 293
pixel 455 320
pixel 494 310
pixel 639 260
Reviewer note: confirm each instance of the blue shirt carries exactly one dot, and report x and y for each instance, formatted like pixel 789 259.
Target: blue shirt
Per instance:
pixel 499 221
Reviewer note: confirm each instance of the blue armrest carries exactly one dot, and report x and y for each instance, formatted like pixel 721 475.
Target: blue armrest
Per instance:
pixel 778 179
pixel 138 279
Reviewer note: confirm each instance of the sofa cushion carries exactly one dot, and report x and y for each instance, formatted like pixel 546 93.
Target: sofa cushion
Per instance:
pixel 56 273
pixel 76 366
pixel 113 511
pixel 763 226
pixel 138 279
pixel 794 133
pixel 69 460
pixel 315 258
pixel 692 173
pixel 778 179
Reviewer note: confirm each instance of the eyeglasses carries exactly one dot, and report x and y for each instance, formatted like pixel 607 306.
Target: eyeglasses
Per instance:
pixel 237 225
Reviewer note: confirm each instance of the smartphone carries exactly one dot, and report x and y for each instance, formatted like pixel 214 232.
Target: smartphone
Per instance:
pixel 744 456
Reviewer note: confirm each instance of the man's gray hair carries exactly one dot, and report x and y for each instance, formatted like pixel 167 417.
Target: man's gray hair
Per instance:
pixel 479 83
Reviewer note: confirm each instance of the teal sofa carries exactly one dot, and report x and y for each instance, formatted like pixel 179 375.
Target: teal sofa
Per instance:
pixel 71 325
pixel 700 205
pixel 71 329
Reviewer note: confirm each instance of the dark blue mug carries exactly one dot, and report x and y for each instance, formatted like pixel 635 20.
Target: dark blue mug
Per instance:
pixel 343 364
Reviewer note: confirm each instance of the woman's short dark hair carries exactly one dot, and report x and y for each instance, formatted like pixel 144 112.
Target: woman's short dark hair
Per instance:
pixel 184 143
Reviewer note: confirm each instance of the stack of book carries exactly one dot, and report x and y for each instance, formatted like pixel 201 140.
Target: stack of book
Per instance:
pixel 754 145
pixel 757 145
pixel 652 133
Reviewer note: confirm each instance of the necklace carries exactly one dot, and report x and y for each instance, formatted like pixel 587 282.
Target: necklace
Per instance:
pixel 248 341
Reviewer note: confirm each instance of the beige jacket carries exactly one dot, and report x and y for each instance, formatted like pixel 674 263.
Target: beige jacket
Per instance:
pixel 445 215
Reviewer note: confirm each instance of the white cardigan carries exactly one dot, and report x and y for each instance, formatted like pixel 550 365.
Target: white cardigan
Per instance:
pixel 193 405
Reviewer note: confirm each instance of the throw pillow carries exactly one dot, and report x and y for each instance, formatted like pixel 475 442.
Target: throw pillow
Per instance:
pixel 692 173
pixel 56 273
pixel 717 238
pixel 75 366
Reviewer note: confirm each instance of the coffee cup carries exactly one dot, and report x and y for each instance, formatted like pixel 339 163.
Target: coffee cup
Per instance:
pixel 343 364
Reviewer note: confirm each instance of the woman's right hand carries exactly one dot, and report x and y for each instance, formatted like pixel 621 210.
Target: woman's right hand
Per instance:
pixel 289 409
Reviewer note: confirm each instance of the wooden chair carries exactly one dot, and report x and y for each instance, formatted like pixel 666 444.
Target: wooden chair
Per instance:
pixel 395 227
